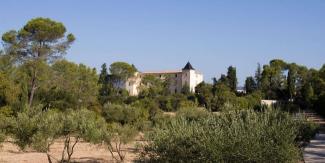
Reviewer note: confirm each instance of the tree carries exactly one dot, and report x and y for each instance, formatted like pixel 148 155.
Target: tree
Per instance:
pixel 8 91
pixel 203 93
pixel 81 124
pixel 40 40
pixel 223 79
pixel 232 78
pixel 152 86
pixel 49 127
pixel 258 76
pixel 308 95
pixel 70 86
pixel 291 81
pixel 6 64
pixel 186 89
pixel 273 80
pixel 104 85
pixel 116 138
pixel 250 84
pixel 39 129
pixel 224 97
pixel 121 71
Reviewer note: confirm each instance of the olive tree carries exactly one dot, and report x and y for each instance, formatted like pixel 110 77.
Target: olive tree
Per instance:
pixel 81 124
pixel 48 130
pixel 39 129
pixel 115 139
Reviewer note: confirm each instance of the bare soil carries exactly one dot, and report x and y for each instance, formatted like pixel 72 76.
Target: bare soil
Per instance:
pixel 84 152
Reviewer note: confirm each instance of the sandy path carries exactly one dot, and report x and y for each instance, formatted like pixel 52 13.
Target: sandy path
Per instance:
pixel 84 152
pixel 315 150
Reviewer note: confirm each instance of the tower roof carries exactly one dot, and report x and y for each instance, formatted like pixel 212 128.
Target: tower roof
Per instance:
pixel 188 66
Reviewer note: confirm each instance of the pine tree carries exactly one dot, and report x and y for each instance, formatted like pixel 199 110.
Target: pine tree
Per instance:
pixel 250 84
pixel 258 76
pixel 232 78
pixel 104 89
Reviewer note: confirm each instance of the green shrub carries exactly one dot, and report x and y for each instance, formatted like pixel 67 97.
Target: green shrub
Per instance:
pixel 125 114
pixel 4 126
pixel 306 129
pixel 192 113
pixel 116 137
pixel 39 129
pixel 237 136
pixel 25 126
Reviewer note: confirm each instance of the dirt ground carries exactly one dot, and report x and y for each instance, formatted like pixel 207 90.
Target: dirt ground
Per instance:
pixel 84 152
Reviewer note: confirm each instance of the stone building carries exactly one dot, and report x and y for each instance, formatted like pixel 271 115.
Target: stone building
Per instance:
pixel 187 76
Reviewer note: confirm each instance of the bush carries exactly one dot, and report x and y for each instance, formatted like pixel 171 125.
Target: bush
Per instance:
pixel 192 113
pixel 306 130
pixel 24 126
pixel 238 136
pixel 4 125
pixel 125 114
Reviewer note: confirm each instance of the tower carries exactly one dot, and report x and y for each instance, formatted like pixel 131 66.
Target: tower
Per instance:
pixel 189 77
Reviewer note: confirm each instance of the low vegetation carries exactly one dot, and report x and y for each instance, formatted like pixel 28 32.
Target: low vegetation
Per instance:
pixel 236 136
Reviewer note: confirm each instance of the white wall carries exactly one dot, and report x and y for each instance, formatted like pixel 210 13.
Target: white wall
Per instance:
pixel 192 78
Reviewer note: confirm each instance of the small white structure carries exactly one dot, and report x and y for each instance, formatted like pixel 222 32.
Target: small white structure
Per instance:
pixel 179 78
pixel 269 102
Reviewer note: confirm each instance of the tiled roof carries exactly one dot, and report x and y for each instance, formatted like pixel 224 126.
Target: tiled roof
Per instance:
pixel 162 72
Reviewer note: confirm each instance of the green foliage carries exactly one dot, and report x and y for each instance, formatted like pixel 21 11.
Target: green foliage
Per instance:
pixel 232 78
pixel 258 76
pixel 291 80
pixel 4 127
pixel 192 113
pixel 70 86
pixel 116 137
pixel 49 127
pixel 121 71
pixel 105 88
pixel 9 91
pixel 25 126
pixel 39 129
pixel 125 114
pixel 250 84
pixel 152 86
pixel 203 93
pixel 244 136
pixel 306 129
pixel 40 40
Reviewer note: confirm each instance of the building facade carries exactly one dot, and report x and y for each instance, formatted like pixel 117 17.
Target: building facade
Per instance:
pixel 188 76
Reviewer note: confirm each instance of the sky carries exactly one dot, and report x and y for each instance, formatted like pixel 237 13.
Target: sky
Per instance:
pixel 166 34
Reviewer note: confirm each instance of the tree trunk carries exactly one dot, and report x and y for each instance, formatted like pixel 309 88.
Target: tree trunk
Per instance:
pixel 31 96
pixel 33 89
pixel 64 148
pixel 70 151
pixel 49 158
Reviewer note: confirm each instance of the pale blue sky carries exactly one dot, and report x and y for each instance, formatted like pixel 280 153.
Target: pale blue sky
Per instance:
pixel 165 34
